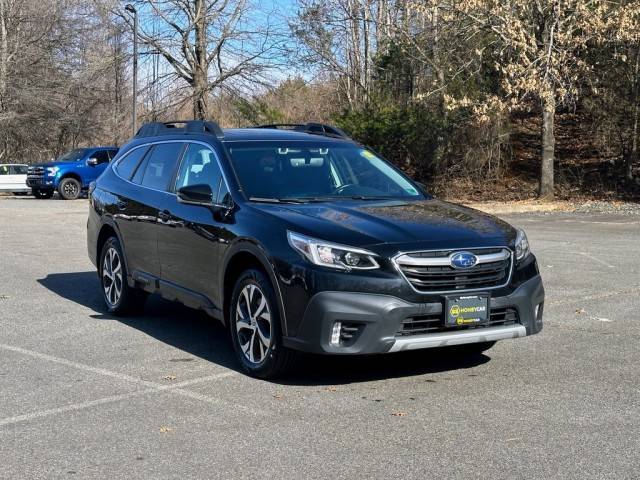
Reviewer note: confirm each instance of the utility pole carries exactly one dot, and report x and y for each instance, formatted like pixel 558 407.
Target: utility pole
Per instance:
pixel 134 120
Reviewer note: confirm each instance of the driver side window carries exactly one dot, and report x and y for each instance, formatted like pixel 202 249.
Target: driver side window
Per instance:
pixel 199 166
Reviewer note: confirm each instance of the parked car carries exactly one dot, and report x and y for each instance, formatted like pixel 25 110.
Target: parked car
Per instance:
pixel 70 174
pixel 304 240
pixel 13 178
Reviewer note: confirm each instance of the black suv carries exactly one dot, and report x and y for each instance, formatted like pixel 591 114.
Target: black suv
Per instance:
pixel 298 238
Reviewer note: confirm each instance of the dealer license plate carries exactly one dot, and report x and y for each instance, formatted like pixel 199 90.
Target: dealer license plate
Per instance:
pixel 466 310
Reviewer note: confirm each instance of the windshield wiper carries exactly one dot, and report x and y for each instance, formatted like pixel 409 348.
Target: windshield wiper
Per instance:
pixel 277 200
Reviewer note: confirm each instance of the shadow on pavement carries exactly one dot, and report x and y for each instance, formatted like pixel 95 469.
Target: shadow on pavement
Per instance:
pixel 197 334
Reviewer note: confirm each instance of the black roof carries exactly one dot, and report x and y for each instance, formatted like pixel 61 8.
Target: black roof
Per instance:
pixel 301 131
pixel 249 134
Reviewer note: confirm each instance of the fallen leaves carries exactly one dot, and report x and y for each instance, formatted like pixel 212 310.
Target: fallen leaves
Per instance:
pixel 169 377
pixel 580 311
pixel 164 429
pixel 399 414
pixel 331 389
pixel 278 396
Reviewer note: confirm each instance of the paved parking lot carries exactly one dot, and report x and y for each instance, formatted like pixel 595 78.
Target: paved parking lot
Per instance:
pixel 87 395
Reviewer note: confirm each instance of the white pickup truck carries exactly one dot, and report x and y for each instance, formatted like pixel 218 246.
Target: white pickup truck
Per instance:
pixel 13 178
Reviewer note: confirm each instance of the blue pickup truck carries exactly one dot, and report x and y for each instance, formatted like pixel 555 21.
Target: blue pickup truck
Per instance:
pixel 70 174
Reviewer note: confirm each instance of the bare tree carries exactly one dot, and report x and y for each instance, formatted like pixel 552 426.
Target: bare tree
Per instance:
pixel 210 44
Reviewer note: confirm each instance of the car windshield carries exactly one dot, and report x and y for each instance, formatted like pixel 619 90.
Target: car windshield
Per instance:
pixel 73 155
pixel 316 171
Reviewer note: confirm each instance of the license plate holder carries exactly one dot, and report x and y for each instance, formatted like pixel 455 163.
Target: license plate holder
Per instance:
pixel 464 310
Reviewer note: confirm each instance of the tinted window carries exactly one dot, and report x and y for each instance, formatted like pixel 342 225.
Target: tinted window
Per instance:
pixel 160 165
pixel 316 170
pixel 4 169
pixel 73 155
pixel 112 154
pixel 101 155
pixel 18 170
pixel 128 164
pixel 199 166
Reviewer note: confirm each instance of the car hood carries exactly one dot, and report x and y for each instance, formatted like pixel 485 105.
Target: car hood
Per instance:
pixel 56 164
pixel 425 224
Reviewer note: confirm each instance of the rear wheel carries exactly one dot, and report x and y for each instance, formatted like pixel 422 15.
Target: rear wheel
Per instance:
pixel 69 188
pixel 118 296
pixel 42 194
pixel 254 324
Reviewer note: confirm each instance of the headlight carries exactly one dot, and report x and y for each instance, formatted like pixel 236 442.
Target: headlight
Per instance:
pixel 522 245
pixel 51 171
pixel 331 254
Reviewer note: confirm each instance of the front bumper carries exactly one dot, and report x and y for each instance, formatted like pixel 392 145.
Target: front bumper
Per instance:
pixel 41 182
pixel 373 322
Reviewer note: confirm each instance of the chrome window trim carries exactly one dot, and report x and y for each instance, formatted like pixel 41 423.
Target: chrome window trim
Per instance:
pixel 151 144
pixel 447 292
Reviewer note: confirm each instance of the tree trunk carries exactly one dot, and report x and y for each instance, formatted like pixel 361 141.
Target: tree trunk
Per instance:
pixel 4 51
pixel 633 157
pixel 201 70
pixel 548 146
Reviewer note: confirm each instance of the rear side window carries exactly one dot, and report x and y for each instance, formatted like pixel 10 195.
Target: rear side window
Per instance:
pixel 4 169
pixel 160 165
pixel 112 154
pixel 18 170
pixel 130 161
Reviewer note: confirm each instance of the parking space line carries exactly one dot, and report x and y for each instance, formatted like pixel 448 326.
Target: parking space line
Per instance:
pixel 151 387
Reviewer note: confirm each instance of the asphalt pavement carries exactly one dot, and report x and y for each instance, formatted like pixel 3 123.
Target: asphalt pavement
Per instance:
pixel 87 395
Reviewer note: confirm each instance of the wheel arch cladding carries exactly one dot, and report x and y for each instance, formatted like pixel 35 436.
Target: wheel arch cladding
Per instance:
pixel 240 261
pixel 73 175
pixel 107 231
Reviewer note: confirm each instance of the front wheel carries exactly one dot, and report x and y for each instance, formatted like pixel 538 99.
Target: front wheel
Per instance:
pixel 42 194
pixel 69 188
pixel 119 297
pixel 254 324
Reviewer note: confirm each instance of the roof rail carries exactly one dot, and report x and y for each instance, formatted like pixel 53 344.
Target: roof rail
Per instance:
pixel 154 129
pixel 311 127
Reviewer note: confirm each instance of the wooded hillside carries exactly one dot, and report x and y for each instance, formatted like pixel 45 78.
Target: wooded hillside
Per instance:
pixel 477 98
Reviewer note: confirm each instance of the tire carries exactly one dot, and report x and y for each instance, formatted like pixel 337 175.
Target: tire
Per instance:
pixel 69 188
pixel 254 327
pixel 471 349
pixel 118 296
pixel 42 194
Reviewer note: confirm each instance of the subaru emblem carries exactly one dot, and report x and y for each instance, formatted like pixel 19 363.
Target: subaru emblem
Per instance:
pixel 463 260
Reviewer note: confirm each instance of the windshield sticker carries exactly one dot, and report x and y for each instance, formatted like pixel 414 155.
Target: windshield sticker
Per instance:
pixel 368 155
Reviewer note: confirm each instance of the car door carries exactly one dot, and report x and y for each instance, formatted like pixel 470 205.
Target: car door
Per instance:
pixel 141 199
pixel 18 177
pixel 190 236
pixel 94 171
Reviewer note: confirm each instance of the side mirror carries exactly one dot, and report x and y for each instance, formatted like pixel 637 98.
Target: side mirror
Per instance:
pixel 200 194
pixel 92 162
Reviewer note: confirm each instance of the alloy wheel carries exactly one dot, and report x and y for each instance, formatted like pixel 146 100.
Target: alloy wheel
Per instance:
pixel 253 323
pixel 70 189
pixel 112 276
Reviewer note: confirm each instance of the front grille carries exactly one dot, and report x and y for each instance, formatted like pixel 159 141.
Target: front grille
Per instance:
pixel 39 171
pixel 430 271
pixel 32 181
pixel 434 323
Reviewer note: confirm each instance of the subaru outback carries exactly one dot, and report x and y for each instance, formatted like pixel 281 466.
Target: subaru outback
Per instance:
pixel 298 238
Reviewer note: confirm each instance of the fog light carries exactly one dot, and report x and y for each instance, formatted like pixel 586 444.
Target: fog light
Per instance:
pixel 537 312
pixel 335 333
